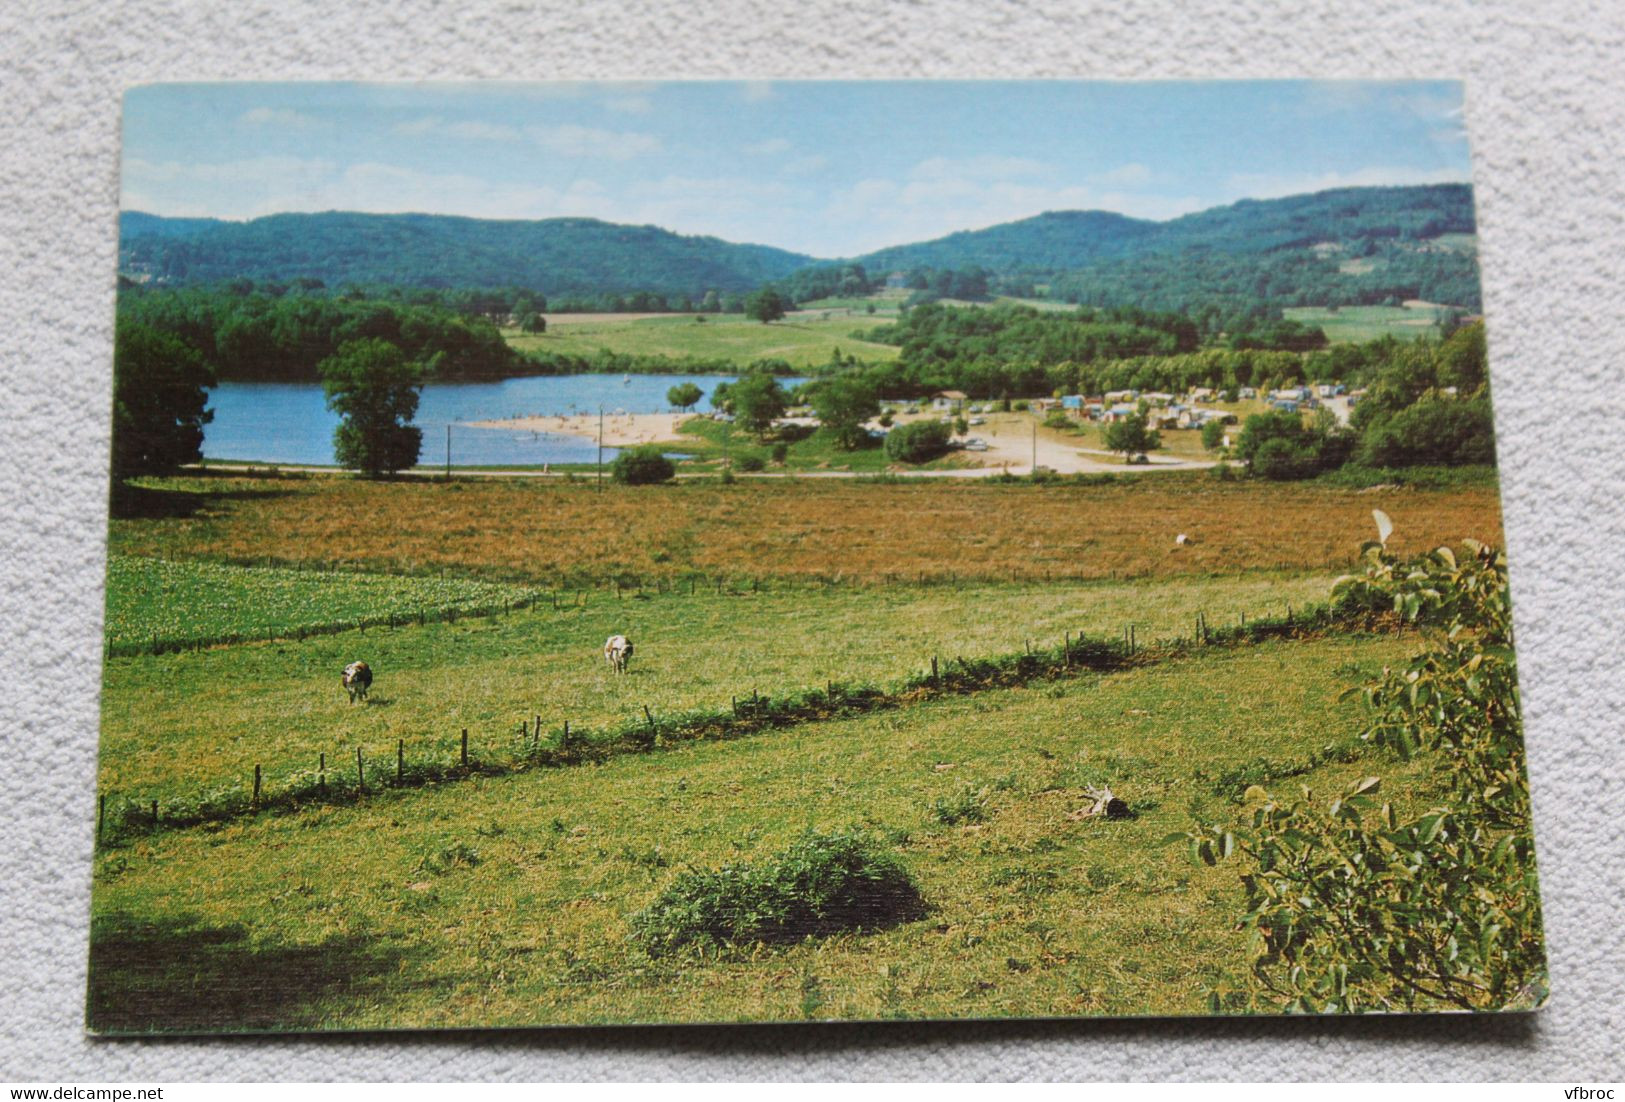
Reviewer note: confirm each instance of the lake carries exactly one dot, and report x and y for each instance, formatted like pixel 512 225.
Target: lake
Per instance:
pixel 290 423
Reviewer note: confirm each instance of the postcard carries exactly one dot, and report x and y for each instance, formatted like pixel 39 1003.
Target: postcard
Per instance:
pixel 758 552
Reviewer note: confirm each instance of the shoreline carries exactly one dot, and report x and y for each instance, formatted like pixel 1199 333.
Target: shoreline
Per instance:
pixel 623 430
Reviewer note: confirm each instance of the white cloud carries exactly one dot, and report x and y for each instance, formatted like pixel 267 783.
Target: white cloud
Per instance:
pixel 433 126
pixel 804 166
pixel 566 139
pixel 226 189
pixel 1132 173
pixel 282 118
pixel 769 148
pixel 571 140
pixel 629 105
pixel 978 168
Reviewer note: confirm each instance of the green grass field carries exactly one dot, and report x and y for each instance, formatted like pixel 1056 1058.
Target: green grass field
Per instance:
pixel 1350 324
pixel 179 602
pixel 506 902
pixel 175 725
pixel 805 339
pixel 507 899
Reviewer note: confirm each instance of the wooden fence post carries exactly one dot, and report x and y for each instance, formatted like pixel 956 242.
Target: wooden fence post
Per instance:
pixel 1066 651
pixel 1131 641
pixel 360 777
pixel 935 680
pixel 155 813
pixel 564 740
pixel 256 800
pixel 321 774
pixel 465 748
pixel 654 733
pixel 101 814
pixel 400 762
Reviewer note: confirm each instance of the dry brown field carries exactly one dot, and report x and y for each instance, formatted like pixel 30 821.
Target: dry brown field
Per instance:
pixel 548 532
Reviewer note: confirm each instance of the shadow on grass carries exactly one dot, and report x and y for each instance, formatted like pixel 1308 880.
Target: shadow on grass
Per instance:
pixel 177 974
pixel 131 502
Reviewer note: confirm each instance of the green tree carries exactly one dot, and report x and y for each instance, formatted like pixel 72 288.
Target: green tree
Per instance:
pixel 766 305
pixel 684 396
pixel 844 404
pixel 374 388
pixel 917 441
pixel 642 467
pixel 757 400
pixel 1131 436
pixel 532 322
pixel 159 400
pixel 1213 435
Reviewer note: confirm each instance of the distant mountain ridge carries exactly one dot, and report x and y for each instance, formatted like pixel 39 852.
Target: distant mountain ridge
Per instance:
pixel 555 255
pixel 1058 241
pixel 1094 250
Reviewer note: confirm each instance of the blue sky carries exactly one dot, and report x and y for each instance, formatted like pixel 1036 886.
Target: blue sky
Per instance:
pixel 831 169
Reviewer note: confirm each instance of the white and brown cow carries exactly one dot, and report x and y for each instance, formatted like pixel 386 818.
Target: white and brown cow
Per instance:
pixel 617 650
pixel 357 680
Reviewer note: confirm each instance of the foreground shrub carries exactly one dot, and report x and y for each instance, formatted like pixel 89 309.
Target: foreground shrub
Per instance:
pixel 917 441
pixel 822 884
pixel 1354 908
pixel 642 467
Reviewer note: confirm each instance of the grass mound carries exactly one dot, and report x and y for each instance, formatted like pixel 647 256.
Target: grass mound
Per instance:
pixel 822 884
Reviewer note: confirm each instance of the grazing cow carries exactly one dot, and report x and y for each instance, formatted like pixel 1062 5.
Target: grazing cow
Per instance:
pixel 617 649
pixel 357 680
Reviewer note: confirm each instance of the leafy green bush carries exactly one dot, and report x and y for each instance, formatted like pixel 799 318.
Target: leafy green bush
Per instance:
pixel 823 883
pixel 1439 431
pixel 642 467
pixel 1350 907
pixel 917 441
pixel 1213 435
pixel 1279 446
pixel 750 463
pixel 1057 419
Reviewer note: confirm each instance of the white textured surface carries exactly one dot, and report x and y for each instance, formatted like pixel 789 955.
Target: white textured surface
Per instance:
pixel 1545 112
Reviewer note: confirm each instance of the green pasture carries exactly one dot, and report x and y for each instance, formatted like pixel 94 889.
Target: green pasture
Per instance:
pixel 180 602
pixel 180 724
pixel 1351 324
pixel 805 339
pixel 506 901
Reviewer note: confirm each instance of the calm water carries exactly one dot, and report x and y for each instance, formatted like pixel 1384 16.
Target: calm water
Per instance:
pixel 290 423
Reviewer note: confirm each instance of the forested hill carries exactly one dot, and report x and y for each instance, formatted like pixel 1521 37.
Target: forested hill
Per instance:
pixel 1059 241
pixel 559 256
pixel 1351 246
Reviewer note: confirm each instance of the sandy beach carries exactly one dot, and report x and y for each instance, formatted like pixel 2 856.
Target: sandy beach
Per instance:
pixel 620 430
pixel 1008 437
